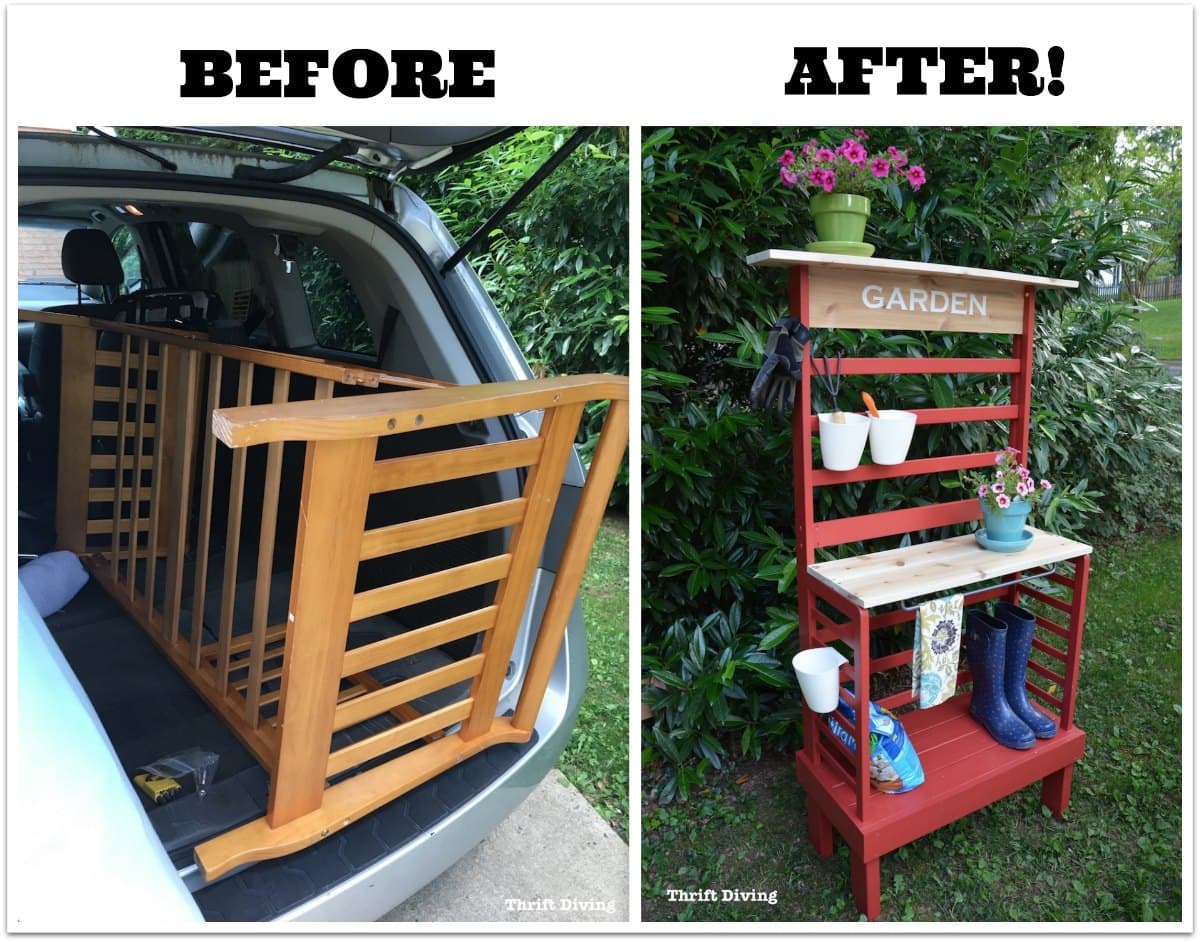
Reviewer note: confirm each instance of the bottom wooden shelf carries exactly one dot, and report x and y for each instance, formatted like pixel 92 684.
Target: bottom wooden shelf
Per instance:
pixel 965 770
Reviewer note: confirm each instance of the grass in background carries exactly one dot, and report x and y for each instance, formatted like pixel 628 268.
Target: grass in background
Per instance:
pixel 597 759
pixel 1116 857
pixel 1163 327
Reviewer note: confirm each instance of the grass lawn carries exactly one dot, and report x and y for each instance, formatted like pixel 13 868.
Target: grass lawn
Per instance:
pixel 597 759
pixel 1116 857
pixel 1163 327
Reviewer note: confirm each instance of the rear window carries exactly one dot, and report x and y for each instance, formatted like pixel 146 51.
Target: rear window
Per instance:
pixel 337 316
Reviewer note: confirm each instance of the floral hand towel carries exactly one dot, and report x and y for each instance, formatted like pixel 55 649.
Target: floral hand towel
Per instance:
pixel 935 649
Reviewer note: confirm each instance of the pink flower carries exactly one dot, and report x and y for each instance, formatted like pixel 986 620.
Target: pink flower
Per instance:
pixel 899 157
pixel 1023 488
pixel 916 176
pixel 1003 501
pixel 787 158
pixel 982 490
pixel 829 182
pixel 816 176
pixel 788 177
pixel 880 166
pixel 1046 485
pixel 998 488
pixel 854 151
pixel 1000 458
pixel 1023 471
pixel 825 154
pixel 861 134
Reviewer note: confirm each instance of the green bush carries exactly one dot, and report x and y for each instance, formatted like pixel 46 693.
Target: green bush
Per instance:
pixel 718 534
pixel 558 267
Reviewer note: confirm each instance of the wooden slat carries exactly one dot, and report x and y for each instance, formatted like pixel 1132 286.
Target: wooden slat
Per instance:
pixel 187 394
pixel 158 470
pixel 111 429
pixel 423 588
pixel 344 803
pixel 1049 650
pixel 139 448
pixel 406 691
pixel 1045 695
pixel 404 712
pixel 349 693
pixel 323 389
pixel 385 541
pixel 105 495
pixel 119 464
pixel 1053 627
pixel 606 460
pixel 1046 599
pixel 233 537
pixel 204 510
pixel 378 653
pixel 105 526
pixel 113 393
pixel 333 508
pixel 263 678
pixel 792 258
pixel 901 366
pixel 115 358
pixel 74 437
pixel 950 415
pixel 891 522
pixel 1048 674
pixel 542 487
pixel 941 565
pixel 373 746
pixel 393 413
pixel 266 556
pixel 454 463
pixel 878 472
pixel 239 645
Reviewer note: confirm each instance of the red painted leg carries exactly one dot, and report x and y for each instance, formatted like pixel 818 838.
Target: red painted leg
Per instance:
pixel 1056 790
pixel 864 878
pixel 820 830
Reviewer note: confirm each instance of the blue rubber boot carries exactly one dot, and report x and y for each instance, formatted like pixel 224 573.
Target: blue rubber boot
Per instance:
pixel 1020 624
pixel 986 638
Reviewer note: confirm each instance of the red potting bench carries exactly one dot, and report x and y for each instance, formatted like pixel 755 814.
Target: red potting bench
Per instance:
pixel 965 769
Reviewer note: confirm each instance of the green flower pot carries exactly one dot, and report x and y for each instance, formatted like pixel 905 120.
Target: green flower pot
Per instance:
pixel 840 220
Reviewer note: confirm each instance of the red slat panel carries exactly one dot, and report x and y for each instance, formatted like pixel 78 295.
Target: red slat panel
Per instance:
pixel 879 472
pixel 1053 627
pixel 1049 650
pixel 1042 694
pixel 891 522
pixel 955 414
pixel 894 366
pixel 887 662
pixel 1047 673
pixel 1046 599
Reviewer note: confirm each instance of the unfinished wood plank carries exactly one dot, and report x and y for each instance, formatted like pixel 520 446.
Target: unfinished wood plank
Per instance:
pixel 378 653
pixel 105 526
pixel 323 389
pixel 186 407
pixel 113 393
pixel 788 258
pixel 542 487
pixel 406 691
pixel 333 509
pixel 139 449
pixel 345 803
pixel 117 357
pixel 422 588
pixel 233 537
pixel 925 568
pixel 266 556
pixel 112 429
pixel 606 461
pixel 366 749
pixel 393 413
pixel 119 461
pixel 454 463
pixel 384 541
pixel 204 511
pixel 74 437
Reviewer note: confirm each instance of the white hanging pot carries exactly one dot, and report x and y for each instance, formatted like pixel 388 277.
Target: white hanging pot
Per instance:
pixel 842 443
pixel 817 670
pixel 891 433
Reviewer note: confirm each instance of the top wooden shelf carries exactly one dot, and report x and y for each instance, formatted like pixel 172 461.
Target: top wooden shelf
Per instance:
pixel 787 258
pixel 925 568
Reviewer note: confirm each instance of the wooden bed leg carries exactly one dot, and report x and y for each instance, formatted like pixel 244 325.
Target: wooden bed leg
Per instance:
pixel 1056 790
pixel 820 830
pixel 864 878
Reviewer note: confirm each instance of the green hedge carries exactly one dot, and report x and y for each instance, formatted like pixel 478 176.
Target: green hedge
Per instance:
pixel 718 573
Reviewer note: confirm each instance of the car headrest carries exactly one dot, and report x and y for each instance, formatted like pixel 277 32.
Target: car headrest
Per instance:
pixel 88 258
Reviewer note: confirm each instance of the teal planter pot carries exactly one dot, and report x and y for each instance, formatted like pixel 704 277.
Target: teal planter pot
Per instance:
pixel 840 220
pixel 1005 525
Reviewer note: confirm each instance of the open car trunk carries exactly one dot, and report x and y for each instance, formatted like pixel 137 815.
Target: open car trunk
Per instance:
pixel 317 571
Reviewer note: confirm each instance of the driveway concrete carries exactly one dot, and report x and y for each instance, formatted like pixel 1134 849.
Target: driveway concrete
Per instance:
pixel 554 859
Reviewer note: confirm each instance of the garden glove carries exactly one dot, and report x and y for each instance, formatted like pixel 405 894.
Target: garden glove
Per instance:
pixel 775 385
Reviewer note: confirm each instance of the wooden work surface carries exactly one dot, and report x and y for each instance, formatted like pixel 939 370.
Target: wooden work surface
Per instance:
pixel 924 568
pixel 787 258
